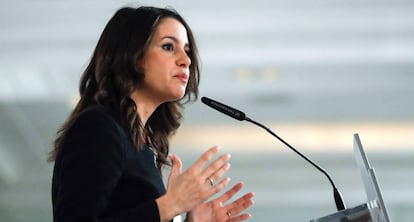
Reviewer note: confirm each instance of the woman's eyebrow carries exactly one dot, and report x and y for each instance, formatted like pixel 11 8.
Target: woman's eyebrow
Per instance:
pixel 174 39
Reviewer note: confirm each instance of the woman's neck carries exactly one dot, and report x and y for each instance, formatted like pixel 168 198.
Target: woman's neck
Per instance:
pixel 145 106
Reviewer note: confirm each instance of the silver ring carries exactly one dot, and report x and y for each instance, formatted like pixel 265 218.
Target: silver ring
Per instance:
pixel 228 213
pixel 211 181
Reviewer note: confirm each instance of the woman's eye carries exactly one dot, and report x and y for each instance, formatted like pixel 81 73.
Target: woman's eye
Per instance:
pixel 188 52
pixel 168 47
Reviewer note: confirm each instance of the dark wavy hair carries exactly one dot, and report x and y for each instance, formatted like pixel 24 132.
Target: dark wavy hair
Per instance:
pixel 113 74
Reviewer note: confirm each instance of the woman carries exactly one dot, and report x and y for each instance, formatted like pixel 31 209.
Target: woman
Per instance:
pixel 110 152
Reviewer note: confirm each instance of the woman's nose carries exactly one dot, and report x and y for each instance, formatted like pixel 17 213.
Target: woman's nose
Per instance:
pixel 184 60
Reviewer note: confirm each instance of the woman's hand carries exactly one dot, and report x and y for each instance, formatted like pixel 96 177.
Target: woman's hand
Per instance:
pixel 194 186
pixel 216 211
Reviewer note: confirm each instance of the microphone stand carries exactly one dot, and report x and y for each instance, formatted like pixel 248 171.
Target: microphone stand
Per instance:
pixel 337 195
pixel 239 115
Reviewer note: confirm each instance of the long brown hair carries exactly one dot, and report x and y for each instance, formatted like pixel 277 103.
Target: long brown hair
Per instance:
pixel 112 75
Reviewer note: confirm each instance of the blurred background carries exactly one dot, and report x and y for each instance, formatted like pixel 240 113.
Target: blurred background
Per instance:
pixel 314 71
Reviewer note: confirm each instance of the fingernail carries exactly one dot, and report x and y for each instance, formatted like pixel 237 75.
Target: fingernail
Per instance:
pixel 226 156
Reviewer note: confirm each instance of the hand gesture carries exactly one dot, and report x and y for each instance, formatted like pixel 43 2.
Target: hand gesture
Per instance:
pixel 216 211
pixel 197 184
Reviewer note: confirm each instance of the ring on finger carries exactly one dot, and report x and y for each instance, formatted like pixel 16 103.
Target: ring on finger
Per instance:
pixel 211 181
pixel 228 213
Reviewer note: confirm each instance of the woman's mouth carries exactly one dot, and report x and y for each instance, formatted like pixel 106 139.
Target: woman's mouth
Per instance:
pixel 182 76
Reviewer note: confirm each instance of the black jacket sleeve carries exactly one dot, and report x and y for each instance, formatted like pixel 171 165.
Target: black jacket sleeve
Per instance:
pixel 90 162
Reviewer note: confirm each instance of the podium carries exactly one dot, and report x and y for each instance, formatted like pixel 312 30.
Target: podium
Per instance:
pixel 374 210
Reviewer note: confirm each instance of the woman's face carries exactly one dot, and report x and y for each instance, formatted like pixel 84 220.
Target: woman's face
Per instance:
pixel 166 63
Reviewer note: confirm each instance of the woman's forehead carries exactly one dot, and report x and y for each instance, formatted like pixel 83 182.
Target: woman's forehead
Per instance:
pixel 171 27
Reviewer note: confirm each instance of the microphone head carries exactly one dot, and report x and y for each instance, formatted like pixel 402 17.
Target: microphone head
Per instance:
pixel 232 112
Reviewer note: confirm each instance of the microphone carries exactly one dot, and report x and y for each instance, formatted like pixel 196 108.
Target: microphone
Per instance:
pixel 239 115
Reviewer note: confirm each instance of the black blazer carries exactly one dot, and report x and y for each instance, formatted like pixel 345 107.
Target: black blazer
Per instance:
pixel 100 176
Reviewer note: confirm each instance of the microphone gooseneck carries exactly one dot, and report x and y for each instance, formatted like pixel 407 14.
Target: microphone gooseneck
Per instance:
pixel 239 115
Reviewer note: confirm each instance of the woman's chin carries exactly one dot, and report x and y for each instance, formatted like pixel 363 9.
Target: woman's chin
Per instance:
pixel 176 97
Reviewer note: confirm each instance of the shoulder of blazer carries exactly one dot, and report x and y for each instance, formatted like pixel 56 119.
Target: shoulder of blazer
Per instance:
pixel 97 114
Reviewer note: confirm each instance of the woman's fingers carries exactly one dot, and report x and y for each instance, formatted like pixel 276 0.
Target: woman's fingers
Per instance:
pixel 230 193
pixel 239 218
pixel 176 165
pixel 218 187
pixel 199 182
pixel 217 169
pixel 209 175
pixel 205 157
pixel 238 206
pixel 242 203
